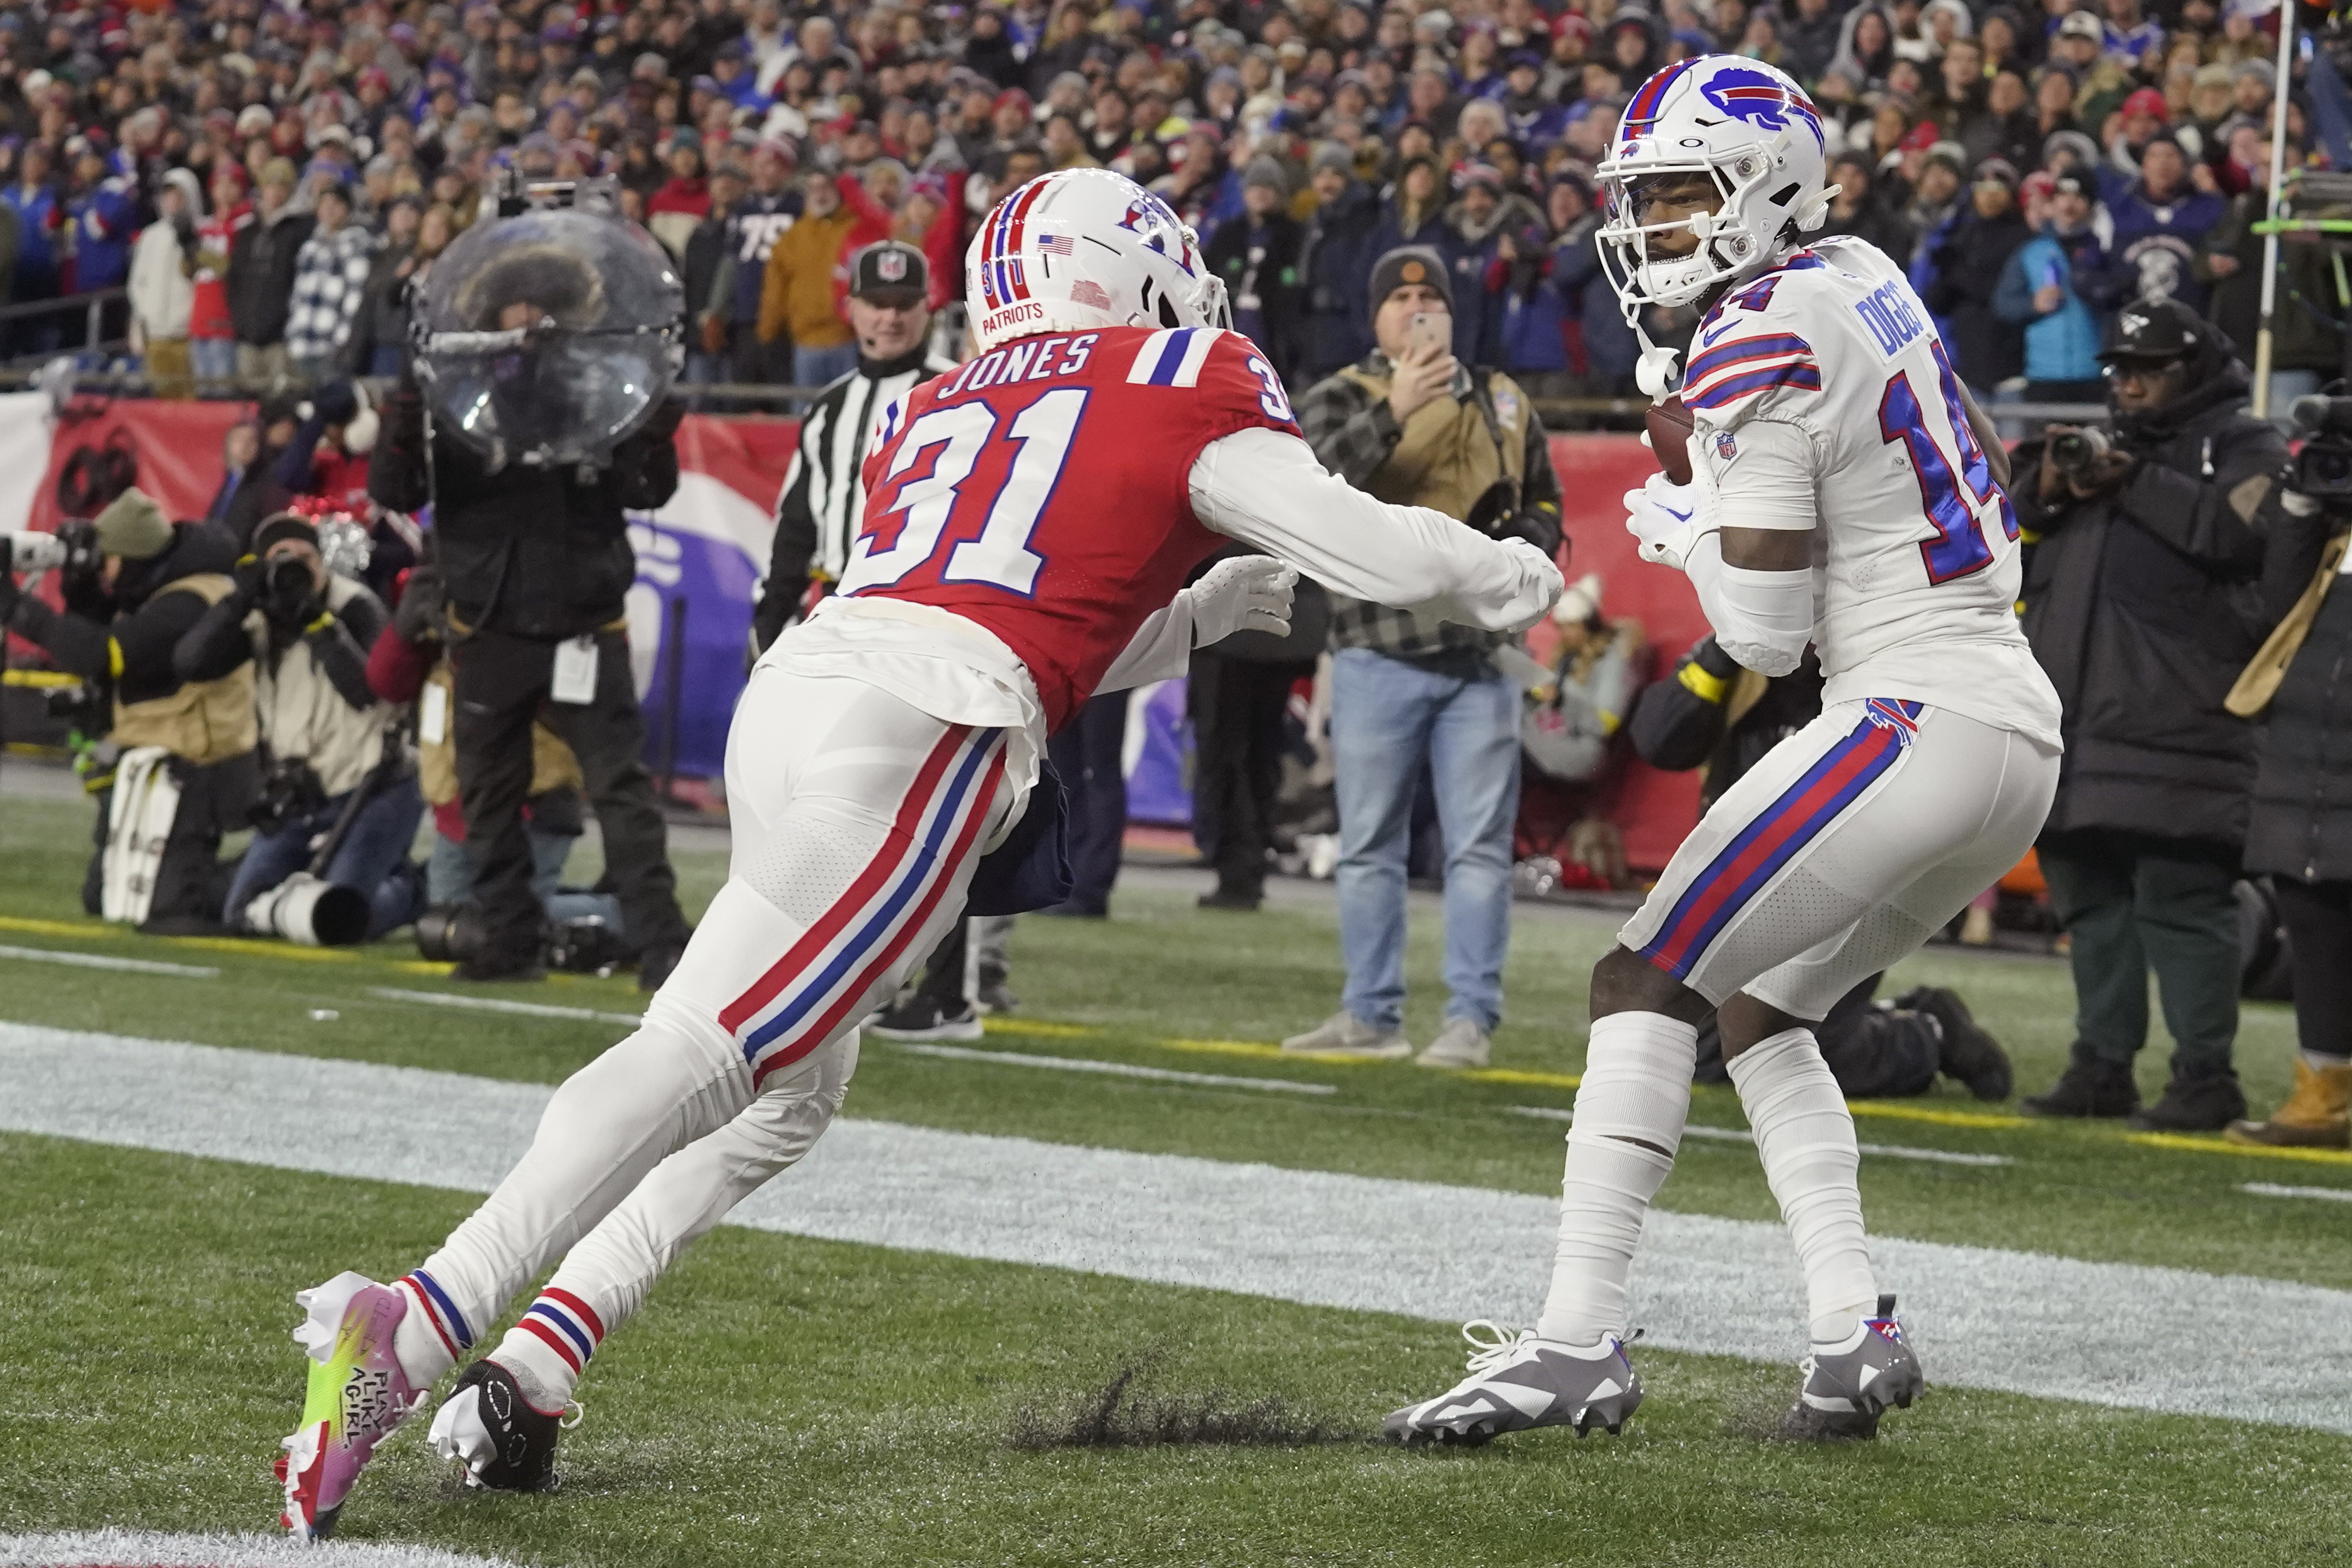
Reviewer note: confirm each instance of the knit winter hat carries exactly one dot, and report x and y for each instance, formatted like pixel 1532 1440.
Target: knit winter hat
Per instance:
pixel 133 527
pixel 1408 264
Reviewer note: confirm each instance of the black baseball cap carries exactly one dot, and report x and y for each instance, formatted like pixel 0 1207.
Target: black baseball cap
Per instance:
pixel 890 273
pixel 2154 332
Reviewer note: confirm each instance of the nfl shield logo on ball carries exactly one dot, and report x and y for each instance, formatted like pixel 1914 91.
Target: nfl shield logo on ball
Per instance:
pixel 1726 448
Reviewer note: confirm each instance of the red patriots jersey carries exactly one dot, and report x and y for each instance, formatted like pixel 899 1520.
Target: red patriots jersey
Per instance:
pixel 1043 489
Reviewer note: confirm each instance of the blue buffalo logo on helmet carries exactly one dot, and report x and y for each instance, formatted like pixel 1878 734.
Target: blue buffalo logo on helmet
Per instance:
pixel 1762 101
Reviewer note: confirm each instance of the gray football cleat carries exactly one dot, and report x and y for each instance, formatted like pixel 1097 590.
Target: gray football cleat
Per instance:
pixel 1519 1382
pixel 1849 1386
pixel 1345 1035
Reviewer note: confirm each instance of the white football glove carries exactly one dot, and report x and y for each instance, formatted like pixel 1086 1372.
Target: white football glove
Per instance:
pixel 1666 519
pixel 1538 588
pixel 1246 594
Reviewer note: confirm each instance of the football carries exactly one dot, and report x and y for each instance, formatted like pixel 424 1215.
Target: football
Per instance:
pixel 1669 425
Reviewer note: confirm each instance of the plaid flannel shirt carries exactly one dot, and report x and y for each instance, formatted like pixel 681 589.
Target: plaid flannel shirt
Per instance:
pixel 331 278
pixel 1352 434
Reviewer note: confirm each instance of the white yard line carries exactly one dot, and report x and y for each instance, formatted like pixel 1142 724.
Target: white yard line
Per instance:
pixel 156 1549
pixel 1114 1069
pixel 1742 1135
pixel 492 1005
pixel 2273 1190
pixel 101 961
pixel 2111 1333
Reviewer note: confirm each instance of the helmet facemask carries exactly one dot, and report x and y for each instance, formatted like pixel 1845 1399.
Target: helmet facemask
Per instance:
pixel 1728 243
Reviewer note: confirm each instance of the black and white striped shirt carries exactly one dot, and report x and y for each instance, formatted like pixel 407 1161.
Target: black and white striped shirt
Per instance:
pixel 822 502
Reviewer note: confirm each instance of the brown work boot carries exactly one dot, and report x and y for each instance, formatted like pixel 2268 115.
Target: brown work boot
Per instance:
pixel 2317 1115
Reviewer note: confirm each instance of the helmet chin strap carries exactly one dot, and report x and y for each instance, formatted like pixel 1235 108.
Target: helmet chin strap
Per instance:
pixel 1654 372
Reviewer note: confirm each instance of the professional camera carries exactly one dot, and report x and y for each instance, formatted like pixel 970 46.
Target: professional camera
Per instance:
pixel 586 947
pixel 310 911
pixel 288 592
pixel 73 549
pixel 288 789
pixel 2323 469
pixel 2075 451
pixel 449 934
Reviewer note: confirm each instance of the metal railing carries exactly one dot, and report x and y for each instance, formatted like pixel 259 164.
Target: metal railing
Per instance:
pixel 91 306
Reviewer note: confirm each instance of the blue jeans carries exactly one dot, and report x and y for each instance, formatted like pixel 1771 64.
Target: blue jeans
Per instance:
pixel 1386 716
pixel 372 857
pixel 449 878
pixel 213 359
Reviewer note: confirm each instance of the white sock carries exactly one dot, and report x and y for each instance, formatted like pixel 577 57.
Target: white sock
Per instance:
pixel 423 1341
pixel 1805 1135
pixel 1637 1074
pixel 549 1346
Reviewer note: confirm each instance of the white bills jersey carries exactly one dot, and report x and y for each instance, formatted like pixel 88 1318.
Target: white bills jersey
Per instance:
pixel 1916 566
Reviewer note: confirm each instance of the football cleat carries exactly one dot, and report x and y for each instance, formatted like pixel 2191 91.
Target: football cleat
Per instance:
pixel 1520 1381
pixel 1848 1386
pixel 489 1427
pixel 358 1394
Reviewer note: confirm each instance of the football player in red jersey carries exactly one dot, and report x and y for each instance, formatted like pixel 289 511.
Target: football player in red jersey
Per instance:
pixel 1029 520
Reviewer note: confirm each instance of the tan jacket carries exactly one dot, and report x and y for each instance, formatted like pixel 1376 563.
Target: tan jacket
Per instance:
pixel 797 296
pixel 204 720
pixel 1447 456
pixel 302 714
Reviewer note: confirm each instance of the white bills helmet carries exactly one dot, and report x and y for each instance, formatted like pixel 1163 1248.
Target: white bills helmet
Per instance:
pixel 1081 249
pixel 1746 126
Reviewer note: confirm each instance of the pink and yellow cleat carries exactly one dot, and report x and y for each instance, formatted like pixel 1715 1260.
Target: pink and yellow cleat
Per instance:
pixel 358 1394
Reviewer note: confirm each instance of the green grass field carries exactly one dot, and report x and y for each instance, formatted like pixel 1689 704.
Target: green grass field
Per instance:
pixel 790 1400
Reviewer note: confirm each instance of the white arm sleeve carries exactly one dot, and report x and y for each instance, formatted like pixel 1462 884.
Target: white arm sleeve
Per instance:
pixel 1767 482
pixel 1267 489
pixel 1160 650
pixel 1762 619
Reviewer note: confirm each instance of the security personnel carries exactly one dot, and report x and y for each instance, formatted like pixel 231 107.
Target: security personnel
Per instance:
pixel 150 584
pixel 822 502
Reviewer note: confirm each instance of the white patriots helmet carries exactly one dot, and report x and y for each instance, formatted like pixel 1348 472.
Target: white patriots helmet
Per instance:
pixel 1748 127
pixel 1082 250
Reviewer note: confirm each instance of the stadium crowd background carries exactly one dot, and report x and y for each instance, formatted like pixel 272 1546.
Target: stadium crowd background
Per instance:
pixel 266 179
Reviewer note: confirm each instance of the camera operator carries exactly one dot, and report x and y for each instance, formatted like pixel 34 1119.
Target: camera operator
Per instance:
pixel 1712 714
pixel 305 633
pixel 137 585
pixel 537 564
pixel 2300 830
pixel 2141 602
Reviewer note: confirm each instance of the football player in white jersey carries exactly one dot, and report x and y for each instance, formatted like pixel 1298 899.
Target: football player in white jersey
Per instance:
pixel 1844 493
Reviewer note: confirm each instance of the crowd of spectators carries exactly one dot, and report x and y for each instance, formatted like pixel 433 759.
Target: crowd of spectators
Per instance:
pixel 294 169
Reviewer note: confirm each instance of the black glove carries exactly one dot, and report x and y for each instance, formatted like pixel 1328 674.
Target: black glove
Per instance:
pixel 420 618
pixel 338 403
pixel 251 575
pixel 779 607
pixel 1709 657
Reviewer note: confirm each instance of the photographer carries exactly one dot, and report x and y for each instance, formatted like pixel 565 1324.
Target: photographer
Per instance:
pixel 304 632
pixel 2141 603
pixel 538 563
pixel 1409 423
pixel 2300 830
pixel 135 586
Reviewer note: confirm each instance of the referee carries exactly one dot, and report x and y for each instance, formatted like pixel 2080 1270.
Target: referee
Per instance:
pixel 818 512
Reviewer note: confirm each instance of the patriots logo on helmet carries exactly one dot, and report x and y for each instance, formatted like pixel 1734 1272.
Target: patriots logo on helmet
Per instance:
pixel 1762 100
pixel 1156 221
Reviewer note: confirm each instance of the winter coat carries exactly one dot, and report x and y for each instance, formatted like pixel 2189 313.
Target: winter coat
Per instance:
pixel 1969 266
pixel 40 222
pixel 796 291
pixel 2306 329
pixel 2300 823
pixel 528 551
pixel 2064 345
pixel 1264 292
pixel 105 221
pixel 1335 265
pixel 2143 604
pixel 209 314
pixel 1610 347
pixel 2154 244
pixel 261 262
pixel 161 293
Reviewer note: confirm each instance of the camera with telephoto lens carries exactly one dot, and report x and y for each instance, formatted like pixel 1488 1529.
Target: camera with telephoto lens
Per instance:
pixel 289 790
pixel 2323 469
pixel 71 551
pixel 2075 451
pixel 310 911
pixel 450 933
pixel 586 946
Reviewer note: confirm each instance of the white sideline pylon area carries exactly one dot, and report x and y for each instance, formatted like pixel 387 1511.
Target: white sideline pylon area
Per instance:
pixel 2144 1338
